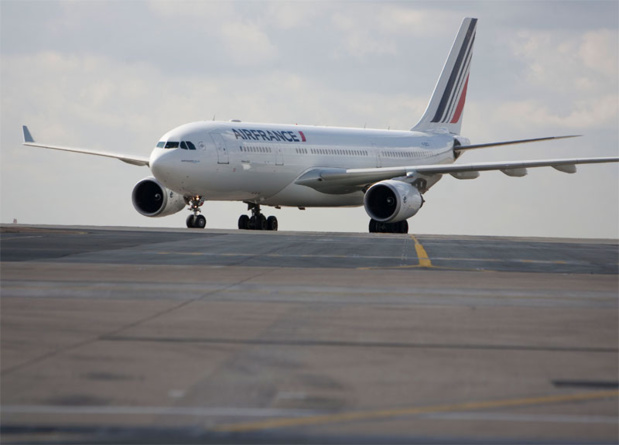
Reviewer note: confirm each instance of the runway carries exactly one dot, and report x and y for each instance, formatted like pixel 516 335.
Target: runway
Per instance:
pixel 126 335
pixel 306 250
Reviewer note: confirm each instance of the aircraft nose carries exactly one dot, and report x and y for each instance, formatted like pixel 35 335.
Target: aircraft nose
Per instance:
pixel 160 165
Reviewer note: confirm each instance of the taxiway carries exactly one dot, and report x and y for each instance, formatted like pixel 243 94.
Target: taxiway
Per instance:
pixel 157 336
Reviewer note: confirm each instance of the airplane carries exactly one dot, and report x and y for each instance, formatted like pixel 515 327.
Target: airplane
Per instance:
pixel 386 171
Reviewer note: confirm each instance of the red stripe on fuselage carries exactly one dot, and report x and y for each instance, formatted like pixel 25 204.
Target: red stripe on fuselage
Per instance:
pixel 302 136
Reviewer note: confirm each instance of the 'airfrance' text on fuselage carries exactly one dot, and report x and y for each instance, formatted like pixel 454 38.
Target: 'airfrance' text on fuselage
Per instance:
pixel 258 135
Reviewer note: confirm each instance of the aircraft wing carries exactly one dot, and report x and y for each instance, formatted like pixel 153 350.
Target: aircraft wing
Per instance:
pixel 129 159
pixel 331 180
pixel 519 141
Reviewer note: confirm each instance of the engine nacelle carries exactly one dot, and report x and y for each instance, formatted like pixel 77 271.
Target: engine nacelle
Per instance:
pixel 459 141
pixel 150 198
pixel 392 201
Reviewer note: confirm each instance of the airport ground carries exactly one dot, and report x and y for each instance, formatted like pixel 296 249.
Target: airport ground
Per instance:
pixel 118 335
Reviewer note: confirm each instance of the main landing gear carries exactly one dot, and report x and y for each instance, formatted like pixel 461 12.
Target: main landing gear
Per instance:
pixel 195 220
pixel 257 221
pixel 380 227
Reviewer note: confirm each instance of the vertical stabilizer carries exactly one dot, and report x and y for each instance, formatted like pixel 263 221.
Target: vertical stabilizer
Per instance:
pixel 446 105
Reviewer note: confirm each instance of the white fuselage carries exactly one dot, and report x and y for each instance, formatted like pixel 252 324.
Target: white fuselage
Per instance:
pixel 259 163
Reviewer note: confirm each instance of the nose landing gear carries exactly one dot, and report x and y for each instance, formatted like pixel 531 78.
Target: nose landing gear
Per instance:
pixel 257 221
pixel 195 220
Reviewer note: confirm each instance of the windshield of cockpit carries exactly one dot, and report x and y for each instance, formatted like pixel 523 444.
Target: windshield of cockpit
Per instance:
pixel 184 145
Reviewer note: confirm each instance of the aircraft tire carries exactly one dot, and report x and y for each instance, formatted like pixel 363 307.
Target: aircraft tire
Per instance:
pixel 191 221
pixel 399 227
pixel 261 222
pixel 404 226
pixel 200 222
pixel 272 223
pixel 244 222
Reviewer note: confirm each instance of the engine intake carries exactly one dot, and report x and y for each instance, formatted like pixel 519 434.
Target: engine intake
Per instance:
pixel 152 199
pixel 392 201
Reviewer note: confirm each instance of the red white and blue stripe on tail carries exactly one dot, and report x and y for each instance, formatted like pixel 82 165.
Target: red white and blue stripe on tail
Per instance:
pixel 445 109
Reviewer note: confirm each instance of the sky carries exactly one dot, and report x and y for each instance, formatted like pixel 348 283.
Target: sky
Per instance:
pixel 115 76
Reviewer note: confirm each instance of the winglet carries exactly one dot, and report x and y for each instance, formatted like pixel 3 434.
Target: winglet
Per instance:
pixel 27 136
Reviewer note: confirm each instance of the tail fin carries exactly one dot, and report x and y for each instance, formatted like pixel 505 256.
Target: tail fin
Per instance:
pixel 447 103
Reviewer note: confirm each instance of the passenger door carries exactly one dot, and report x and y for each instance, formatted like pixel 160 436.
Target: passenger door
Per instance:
pixel 222 151
pixel 379 158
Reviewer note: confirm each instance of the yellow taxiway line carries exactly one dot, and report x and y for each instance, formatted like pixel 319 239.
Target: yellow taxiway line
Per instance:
pixel 422 255
pixel 392 413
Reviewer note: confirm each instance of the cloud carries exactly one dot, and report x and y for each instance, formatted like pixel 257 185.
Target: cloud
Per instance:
pixel 295 15
pixel 372 29
pixel 599 52
pixel 570 78
pixel 208 13
pixel 415 20
pixel 358 40
pixel 247 44
pixel 591 114
pixel 553 59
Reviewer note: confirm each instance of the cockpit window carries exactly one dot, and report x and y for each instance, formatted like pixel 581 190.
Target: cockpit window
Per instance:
pixel 187 145
pixel 184 145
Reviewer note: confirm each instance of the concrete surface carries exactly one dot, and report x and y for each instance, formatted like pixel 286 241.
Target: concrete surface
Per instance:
pixel 178 336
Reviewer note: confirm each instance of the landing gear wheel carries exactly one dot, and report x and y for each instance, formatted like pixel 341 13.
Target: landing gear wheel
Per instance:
pixel 381 227
pixel 195 220
pixel 257 221
pixel 244 222
pixel 191 221
pixel 200 222
pixel 262 222
pixel 404 226
pixel 272 223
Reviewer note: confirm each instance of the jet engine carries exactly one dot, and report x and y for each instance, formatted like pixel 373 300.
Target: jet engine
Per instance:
pixel 392 201
pixel 150 198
